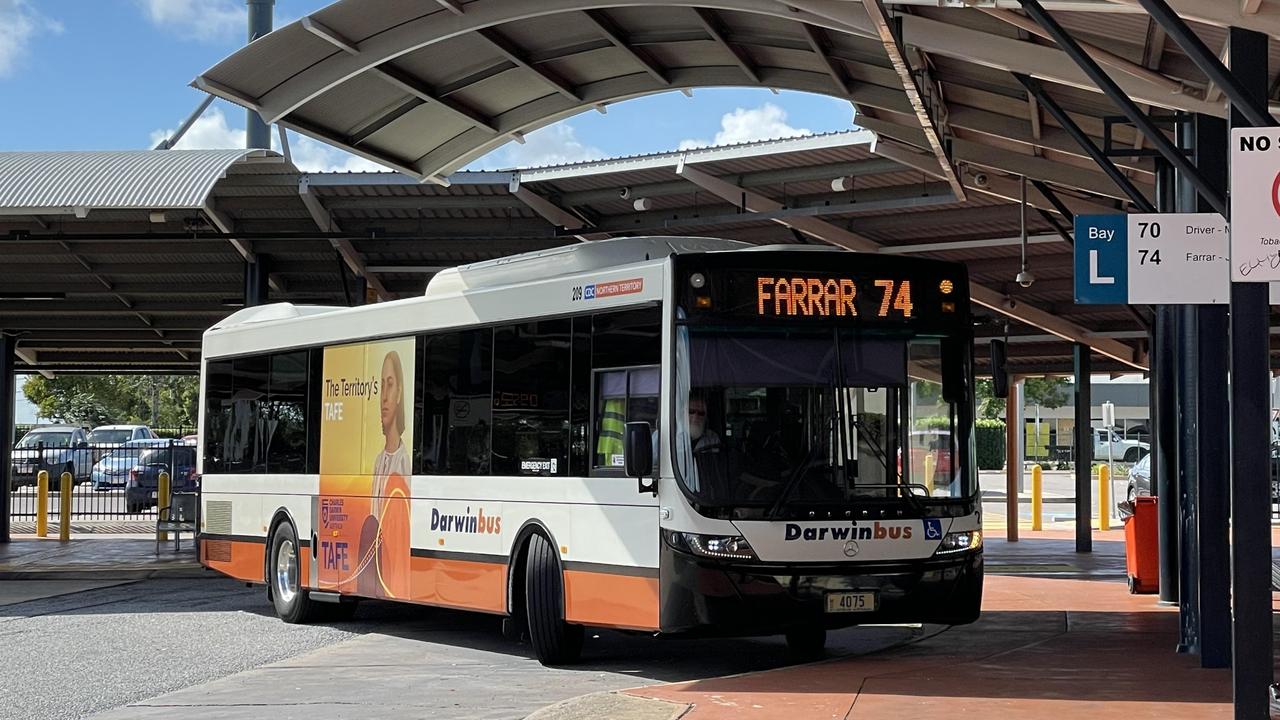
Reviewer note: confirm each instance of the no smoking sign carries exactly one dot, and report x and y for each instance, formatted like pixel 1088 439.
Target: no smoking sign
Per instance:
pixel 1255 205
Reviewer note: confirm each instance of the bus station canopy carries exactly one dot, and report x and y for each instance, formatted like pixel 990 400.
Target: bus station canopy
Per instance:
pixel 99 279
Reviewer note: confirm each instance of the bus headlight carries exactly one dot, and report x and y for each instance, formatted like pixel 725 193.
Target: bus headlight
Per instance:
pixel 723 547
pixel 960 541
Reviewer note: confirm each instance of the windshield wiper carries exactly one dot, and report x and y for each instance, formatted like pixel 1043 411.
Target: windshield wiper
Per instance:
pixel 792 482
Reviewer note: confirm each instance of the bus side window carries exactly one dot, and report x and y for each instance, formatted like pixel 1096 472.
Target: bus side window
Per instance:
pixel 531 398
pixel 456 394
pixel 622 396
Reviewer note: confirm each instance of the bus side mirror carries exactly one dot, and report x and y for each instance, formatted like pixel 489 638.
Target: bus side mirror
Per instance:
pixel 637 447
pixel 999 369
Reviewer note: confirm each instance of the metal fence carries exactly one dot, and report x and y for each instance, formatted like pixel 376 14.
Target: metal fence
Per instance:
pixel 110 482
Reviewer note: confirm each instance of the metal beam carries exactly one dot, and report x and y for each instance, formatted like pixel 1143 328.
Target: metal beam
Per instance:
pixel 610 30
pixel 329 35
pixel 518 55
pixel 933 127
pixel 324 220
pixel 30 357
pixel 453 6
pixel 1209 64
pixel 1105 57
pixel 1010 161
pixel 416 88
pixel 715 28
pixel 548 210
pixel 1119 178
pixel 1127 105
pixel 838 236
pixel 819 43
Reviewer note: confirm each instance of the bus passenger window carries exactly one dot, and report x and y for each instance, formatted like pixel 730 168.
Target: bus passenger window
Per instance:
pixel 531 398
pixel 623 396
pixel 457 391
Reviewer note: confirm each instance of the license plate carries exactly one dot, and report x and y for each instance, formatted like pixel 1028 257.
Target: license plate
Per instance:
pixel 840 602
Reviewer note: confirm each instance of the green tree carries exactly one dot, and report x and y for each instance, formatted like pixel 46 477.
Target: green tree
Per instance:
pixel 157 400
pixel 1050 392
pixel 989 406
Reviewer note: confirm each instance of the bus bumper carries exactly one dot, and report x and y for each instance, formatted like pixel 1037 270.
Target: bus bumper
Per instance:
pixel 703 596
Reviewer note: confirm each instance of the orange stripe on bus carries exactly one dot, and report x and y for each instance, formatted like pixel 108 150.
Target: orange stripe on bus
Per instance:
pixel 621 601
pixel 459 583
pixel 243 562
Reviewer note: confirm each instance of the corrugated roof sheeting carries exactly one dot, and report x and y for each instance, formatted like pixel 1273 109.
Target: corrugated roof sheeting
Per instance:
pixel 144 179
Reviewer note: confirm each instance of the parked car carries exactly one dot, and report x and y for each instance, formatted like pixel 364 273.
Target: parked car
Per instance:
pixel 113 469
pixel 144 477
pixel 192 440
pixel 66 449
pixel 1108 443
pixel 1139 478
pixel 104 437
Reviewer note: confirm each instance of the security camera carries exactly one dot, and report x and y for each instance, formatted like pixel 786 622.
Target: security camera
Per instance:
pixel 981 180
pixel 1025 278
pixel 625 193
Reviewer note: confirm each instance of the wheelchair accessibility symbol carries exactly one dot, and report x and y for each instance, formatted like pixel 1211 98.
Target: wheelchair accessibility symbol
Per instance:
pixel 932 529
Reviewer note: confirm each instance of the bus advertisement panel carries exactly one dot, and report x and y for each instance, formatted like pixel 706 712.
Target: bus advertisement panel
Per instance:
pixel 365 430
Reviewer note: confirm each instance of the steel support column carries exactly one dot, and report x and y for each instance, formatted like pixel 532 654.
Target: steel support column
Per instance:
pixel 1164 417
pixel 8 355
pixel 255 281
pixel 1213 469
pixel 1250 442
pixel 1186 344
pixel 258 132
pixel 1118 96
pixel 1083 449
pixel 1013 459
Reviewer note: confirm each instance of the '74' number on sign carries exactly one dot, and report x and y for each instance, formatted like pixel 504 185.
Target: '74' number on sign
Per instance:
pixel 1149 256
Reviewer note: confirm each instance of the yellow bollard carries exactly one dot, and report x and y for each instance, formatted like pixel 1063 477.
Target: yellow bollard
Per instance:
pixel 1104 497
pixel 65 487
pixel 1037 497
pixel 930 465
pixel 163 498
pixel 42 503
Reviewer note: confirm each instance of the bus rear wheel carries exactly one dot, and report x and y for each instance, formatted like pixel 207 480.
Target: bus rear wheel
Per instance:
pixel 555 642
pixel 291 600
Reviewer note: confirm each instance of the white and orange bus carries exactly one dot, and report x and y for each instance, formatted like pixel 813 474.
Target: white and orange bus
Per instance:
pixel 655 434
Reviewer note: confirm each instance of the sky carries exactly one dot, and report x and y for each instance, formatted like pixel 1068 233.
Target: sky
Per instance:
pixel 115 74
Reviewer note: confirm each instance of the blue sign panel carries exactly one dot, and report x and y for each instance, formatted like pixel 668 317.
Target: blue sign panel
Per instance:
pixel 1102 267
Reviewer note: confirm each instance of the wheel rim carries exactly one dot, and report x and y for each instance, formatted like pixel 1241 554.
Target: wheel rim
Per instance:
pixel 286 572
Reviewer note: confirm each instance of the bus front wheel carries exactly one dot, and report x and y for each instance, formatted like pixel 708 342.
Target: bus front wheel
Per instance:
pixel 555 641
pixel 291 600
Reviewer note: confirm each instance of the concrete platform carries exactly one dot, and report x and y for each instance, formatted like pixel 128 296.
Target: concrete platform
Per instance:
pixel 93 557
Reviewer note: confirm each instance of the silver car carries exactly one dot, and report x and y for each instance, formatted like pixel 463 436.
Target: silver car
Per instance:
pixel 66 449
pixel 113 469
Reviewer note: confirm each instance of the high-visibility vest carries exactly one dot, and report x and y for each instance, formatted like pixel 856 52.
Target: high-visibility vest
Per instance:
pixel 613 423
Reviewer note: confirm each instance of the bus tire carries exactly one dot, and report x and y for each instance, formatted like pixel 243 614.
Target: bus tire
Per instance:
pixel 292 602
pixel 555 642
pixel 807 642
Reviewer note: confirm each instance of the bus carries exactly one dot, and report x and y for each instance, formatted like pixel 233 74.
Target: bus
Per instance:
pixel 656 434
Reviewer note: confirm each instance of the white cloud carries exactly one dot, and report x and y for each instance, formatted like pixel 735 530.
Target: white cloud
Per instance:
pixel 553 145
pixel 314 156
pixel 197 19
pixel 19 24
pixel 767 122
pixel 212 131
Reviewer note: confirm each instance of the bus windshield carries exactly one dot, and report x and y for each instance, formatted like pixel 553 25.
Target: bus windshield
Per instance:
pixel 770 421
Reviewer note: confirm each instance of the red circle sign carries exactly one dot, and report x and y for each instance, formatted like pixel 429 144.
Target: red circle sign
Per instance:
pixel 1275 194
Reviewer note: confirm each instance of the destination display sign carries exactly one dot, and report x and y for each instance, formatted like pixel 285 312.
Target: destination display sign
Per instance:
pixel 1165 258
pixel 816 297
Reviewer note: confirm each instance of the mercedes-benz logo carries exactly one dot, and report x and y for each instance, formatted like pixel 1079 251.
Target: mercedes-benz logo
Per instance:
pixel 850 548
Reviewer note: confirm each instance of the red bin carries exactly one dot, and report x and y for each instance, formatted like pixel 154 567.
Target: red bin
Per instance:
pixel 1142 546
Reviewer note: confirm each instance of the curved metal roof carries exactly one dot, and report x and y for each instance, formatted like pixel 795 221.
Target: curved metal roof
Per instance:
pixel 54 183
pixel 426 87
